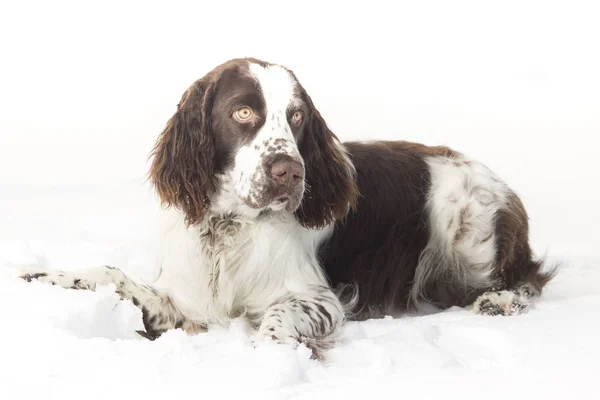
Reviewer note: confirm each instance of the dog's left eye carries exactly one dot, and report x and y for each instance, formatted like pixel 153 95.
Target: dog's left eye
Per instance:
pixel 297 117
pixel 243 114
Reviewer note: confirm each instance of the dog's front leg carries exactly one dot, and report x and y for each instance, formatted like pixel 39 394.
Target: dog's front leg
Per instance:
pixel 158 312
pixel 313 317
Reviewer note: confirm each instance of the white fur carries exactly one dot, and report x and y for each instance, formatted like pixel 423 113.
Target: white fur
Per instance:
pixel 252 264
pixel 462 202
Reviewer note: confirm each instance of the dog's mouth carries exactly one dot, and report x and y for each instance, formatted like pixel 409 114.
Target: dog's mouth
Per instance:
pixel 289 203
pixel 276 206
pixel 279 204
pixel 275 199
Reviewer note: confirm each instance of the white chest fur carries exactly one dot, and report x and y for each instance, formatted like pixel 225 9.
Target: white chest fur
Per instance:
pixel 232 266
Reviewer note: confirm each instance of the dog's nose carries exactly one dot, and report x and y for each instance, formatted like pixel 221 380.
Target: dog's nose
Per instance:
pixel 287 172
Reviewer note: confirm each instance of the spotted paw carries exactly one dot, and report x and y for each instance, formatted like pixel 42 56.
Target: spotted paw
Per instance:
pixel 52 277
pixel 502 302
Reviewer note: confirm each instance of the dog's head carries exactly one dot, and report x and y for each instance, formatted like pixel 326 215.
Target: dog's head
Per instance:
pixel 247 138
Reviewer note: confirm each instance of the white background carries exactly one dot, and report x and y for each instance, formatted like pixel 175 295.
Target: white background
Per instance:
pixel 85 87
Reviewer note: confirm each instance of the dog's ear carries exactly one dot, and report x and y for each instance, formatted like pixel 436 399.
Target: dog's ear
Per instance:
pixel 329 174
pixel 183 159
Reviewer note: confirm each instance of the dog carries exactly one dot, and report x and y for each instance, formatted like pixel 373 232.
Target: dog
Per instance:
pixel 269 217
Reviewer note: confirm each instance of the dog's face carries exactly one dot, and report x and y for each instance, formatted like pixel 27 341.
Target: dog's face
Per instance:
pixel 257 119
pixel 247 138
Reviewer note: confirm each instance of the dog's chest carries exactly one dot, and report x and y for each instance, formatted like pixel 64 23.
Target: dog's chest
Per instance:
pixel 250 262
pixel 230 265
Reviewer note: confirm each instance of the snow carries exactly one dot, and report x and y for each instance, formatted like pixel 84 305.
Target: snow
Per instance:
pixel 86 87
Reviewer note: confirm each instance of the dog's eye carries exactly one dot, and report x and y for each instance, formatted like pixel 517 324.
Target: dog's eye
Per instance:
pixel 297 117
pixel 243 114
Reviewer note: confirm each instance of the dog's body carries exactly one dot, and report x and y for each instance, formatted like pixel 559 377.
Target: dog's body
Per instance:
pixel 267 213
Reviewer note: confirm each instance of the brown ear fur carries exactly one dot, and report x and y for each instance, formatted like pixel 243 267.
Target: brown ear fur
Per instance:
pixel 182 169
pixel 331 185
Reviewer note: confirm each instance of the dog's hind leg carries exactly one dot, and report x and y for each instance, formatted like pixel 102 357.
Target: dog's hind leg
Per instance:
pixel 478 255
pixel 158 312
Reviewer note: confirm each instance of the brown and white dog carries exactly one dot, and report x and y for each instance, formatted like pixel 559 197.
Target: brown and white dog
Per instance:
pixel 269 217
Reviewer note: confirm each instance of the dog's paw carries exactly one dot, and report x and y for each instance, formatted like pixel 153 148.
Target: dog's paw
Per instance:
pixel 53 277
pixel 502 302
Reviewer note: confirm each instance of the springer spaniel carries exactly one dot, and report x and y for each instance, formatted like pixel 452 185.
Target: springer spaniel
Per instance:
pixel 269 217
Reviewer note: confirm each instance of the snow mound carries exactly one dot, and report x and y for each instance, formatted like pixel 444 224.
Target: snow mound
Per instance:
pixel 62 343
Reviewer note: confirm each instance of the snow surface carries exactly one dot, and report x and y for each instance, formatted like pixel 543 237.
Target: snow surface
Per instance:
pixel 85 88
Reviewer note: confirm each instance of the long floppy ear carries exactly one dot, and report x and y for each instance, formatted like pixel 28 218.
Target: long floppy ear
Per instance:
pixel 330 175
pixel 182 169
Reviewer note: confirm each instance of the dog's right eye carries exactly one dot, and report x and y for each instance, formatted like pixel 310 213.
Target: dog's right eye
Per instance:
pixel 243 114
